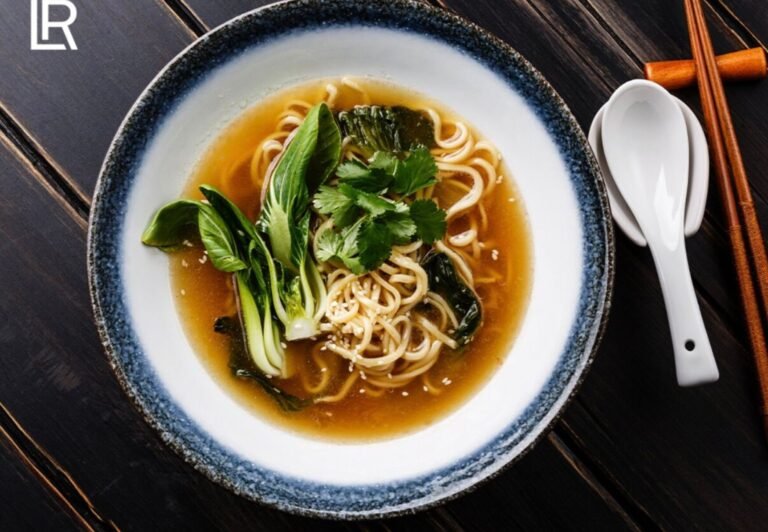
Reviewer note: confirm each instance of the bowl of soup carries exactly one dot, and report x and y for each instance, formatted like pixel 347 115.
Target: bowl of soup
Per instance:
pixel 350 259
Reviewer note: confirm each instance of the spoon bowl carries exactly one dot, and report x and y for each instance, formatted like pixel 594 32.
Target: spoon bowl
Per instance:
pixel 698 181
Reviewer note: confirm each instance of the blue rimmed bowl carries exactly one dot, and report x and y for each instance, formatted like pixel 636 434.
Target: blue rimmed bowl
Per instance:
pixel 433 52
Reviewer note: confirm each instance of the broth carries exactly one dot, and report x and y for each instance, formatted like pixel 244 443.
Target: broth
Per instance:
pixel 203 294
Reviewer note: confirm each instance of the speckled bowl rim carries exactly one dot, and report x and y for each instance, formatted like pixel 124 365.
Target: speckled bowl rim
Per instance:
pixel 133 369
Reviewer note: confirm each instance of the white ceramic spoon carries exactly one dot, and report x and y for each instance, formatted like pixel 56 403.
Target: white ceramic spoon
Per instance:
pixel 698 180
pixel 646 147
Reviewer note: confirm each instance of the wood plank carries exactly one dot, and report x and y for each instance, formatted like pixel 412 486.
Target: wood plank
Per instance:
pixel 649 438
pixel 747 17
pixel 59 386
pixel 26 504
pixel 215 13
pixel 674 449
pixel 507 502
pixel 71 102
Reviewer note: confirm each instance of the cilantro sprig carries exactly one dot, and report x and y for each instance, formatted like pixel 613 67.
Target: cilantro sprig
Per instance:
pixel 371 209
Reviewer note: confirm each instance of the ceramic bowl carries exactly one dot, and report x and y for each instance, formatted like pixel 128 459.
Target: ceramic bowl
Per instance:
pixel 432 52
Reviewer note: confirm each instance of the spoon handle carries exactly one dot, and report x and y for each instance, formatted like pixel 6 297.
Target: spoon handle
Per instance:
pixel 694 360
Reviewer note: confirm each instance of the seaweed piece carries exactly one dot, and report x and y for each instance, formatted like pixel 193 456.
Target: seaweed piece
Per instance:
pixel 444 280
pixel 390 129
pixel 242 367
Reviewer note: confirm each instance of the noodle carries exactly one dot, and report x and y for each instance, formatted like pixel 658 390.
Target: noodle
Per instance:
pixel 386 324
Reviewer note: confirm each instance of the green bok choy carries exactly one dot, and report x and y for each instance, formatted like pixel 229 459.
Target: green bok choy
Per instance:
pixel 234 246
pixel 311 156
pixel 275 283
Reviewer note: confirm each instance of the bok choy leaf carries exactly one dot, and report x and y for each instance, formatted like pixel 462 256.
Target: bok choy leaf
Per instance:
pixel 308 160
pixel 233 245
pixel 242 367
pixel 171 225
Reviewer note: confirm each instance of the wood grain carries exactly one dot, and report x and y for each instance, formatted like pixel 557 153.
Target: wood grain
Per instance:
pixel 746 17
pixel 71 103
pixel 633 451
pixel 26 503
pixel 214 13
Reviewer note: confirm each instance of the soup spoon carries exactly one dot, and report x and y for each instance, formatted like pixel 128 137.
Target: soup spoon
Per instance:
pixel 698 181
pixel 646 148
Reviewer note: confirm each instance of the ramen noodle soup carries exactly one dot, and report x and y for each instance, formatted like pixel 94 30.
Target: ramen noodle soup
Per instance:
pixel 374 272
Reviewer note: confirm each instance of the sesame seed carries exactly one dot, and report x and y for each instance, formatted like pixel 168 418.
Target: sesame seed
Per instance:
pixel 362 390
pixel 188 243
pixel 184 263
pixel 495 254
pixel 499 179
pixel 425 388
pixel 203 259
pixel 283 345
pixel 512 200
pixel 405 394
pixel 183 292
pixel 323 370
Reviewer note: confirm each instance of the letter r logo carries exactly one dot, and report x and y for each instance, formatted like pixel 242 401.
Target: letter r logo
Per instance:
pixel 41 24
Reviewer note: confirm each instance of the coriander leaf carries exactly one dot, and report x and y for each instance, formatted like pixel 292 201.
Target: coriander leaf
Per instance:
pixel 328 245
pixel 375 244
pixel 385 161
pixel 333 202
pixel 415 172
pixel 330 200
pixel 401 226
pixel 341 246
pixel 429 220
pixel 362 177
pixel 373 204
pixel 352 170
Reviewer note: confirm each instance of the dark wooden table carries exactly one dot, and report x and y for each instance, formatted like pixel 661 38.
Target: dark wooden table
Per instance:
pixel 632 451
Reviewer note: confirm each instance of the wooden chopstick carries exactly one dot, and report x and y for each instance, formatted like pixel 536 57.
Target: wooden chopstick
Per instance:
pixel 724 148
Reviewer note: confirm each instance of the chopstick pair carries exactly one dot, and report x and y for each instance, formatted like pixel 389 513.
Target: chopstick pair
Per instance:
pixel 750 256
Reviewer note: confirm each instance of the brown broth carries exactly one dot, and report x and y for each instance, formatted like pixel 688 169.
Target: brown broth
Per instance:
pixel 204 294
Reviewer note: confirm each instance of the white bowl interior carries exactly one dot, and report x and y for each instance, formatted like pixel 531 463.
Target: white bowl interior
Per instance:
pixel 455 80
